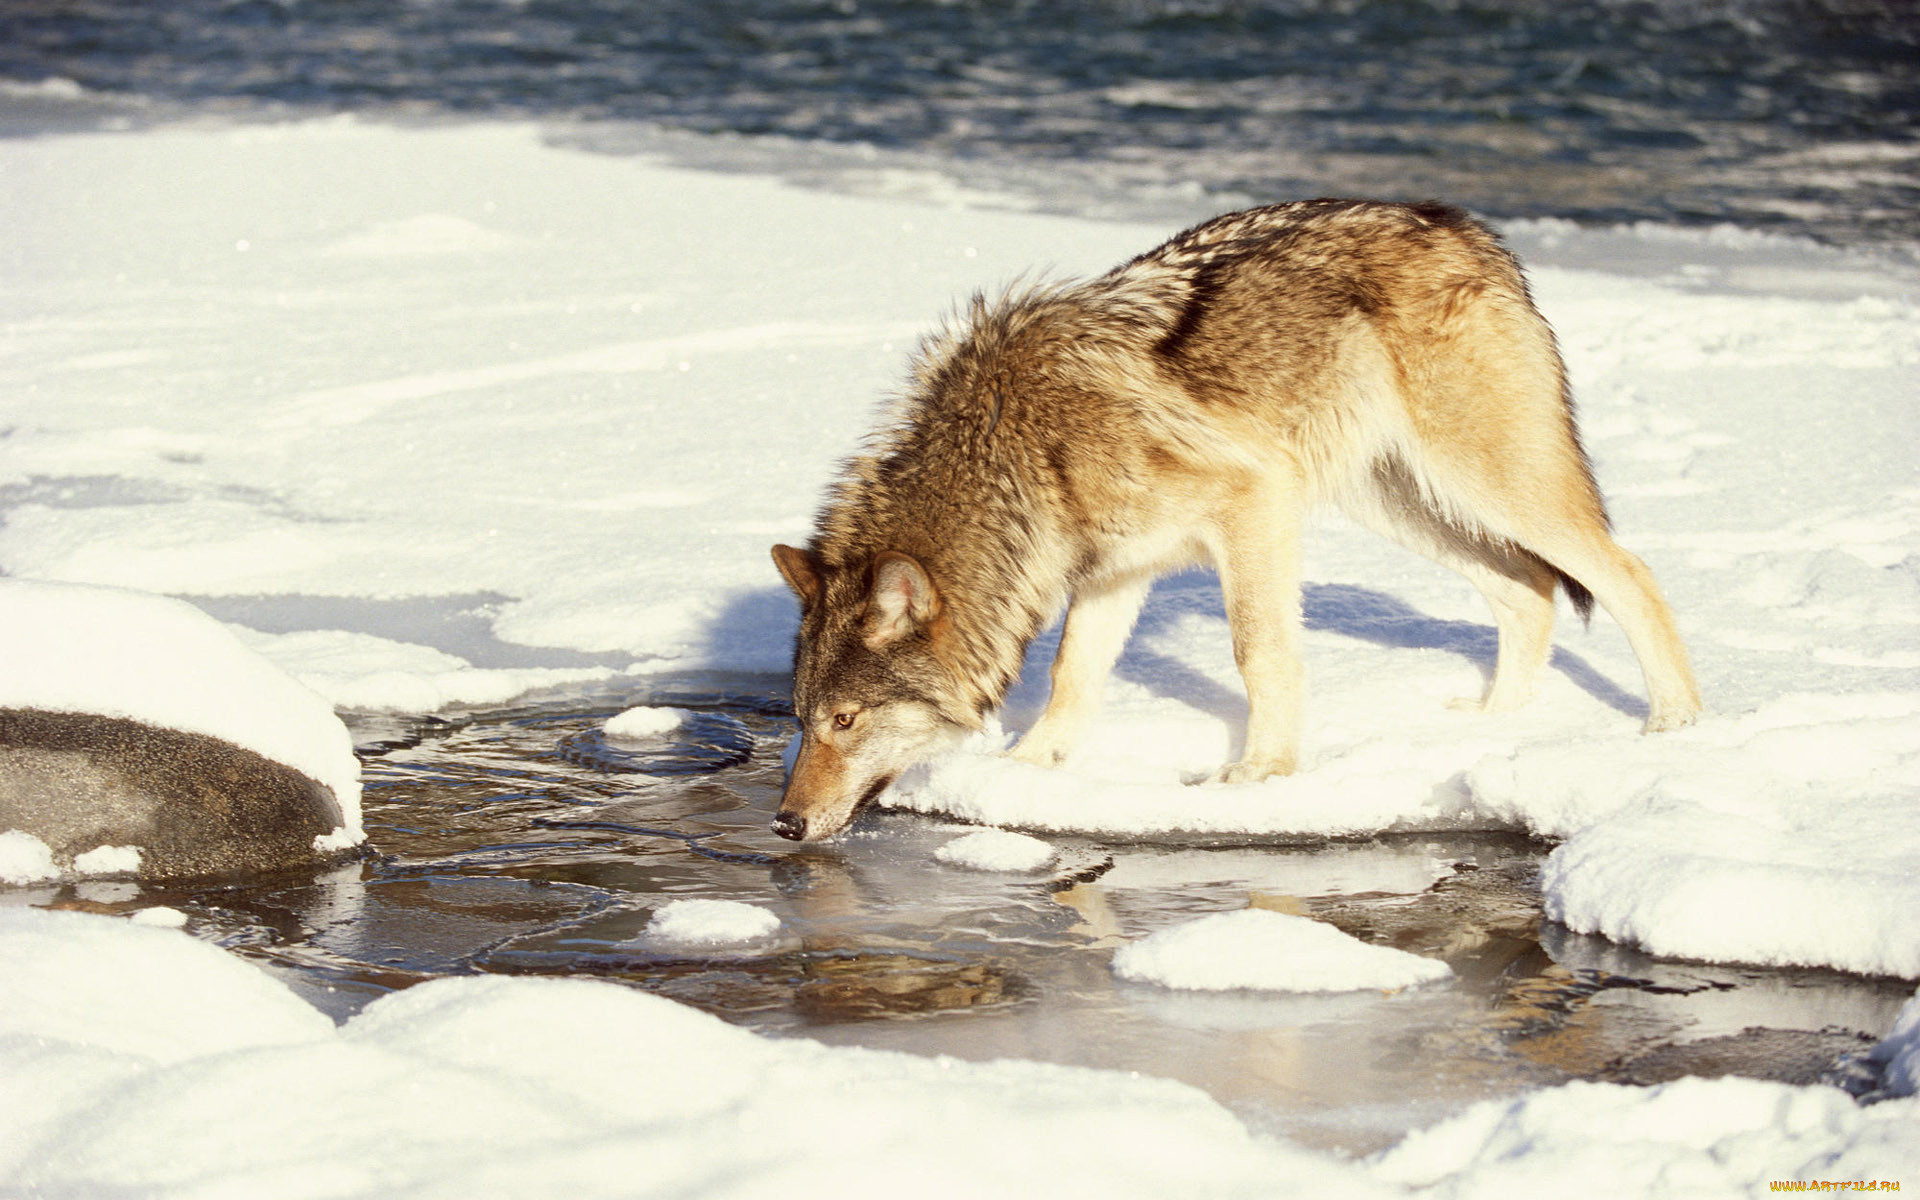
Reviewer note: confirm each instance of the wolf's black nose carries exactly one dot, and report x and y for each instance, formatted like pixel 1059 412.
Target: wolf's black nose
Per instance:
pixel 791 826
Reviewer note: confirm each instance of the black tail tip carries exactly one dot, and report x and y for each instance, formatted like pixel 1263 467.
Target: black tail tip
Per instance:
pixel 1582 598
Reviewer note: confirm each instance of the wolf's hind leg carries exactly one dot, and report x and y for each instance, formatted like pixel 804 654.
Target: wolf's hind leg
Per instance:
pixel 1497 445
pixel 1546 505
pixel 1521 597
pixel 1626 589
pixel 1518 586
pixel 1096 628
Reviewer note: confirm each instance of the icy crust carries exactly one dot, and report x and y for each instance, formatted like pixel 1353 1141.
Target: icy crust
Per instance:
pixel 116 653
pixel 1269 951
pixel 210 1077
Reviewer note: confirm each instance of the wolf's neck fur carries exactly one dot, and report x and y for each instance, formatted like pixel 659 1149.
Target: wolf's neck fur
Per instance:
pixel 974 476
pixel 1001 591
pixel 999 578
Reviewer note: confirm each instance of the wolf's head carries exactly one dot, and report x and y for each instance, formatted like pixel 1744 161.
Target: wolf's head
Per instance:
pixel 869 689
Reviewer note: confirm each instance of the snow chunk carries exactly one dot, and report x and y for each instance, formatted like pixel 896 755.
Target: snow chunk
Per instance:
pixel 1270 951
pixel 646 722
pixel 339 841
pixel 1783 837
pixel 160 916
pixel 70 648
pixel 108 860
pixel 996 850
pixel 711 923
pixel 68 977
pixel 24 858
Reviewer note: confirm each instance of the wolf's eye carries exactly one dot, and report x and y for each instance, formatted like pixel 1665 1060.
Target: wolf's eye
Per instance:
pixel 843 720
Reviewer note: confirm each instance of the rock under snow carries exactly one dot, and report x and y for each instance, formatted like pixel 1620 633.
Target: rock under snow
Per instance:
pixel 138 736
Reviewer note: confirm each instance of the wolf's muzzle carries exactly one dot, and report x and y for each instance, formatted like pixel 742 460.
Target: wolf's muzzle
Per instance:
pixel 791 826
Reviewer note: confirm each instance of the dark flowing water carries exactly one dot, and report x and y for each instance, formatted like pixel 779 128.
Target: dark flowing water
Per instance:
pixel 525 842
pixel 1795 115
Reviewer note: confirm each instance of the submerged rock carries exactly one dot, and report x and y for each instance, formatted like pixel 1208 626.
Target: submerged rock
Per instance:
pixel 110 795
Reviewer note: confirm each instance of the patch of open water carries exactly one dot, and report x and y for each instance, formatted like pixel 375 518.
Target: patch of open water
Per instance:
pixel 524 841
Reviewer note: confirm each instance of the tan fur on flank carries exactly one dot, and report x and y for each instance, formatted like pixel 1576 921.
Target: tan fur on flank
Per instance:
pixel 1063 446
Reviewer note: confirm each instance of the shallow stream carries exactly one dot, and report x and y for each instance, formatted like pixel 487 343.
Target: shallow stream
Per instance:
pixel 523 841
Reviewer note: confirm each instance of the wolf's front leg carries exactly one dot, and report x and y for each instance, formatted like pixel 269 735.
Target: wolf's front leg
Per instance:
pixel 1096 628
pixel 1259 560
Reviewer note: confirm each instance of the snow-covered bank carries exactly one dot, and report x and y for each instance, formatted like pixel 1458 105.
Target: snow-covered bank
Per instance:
pixel 212 1079
pixel 451 388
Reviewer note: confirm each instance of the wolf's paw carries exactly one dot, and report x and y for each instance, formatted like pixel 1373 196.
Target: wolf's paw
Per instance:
pixel 1496 699
pixel 1253 770
pixel 1039 751
pixel 1660 720
pixel 1486 704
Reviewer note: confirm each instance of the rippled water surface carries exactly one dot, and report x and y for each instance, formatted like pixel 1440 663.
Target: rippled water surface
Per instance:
pixel 1802 115
pixel 527 842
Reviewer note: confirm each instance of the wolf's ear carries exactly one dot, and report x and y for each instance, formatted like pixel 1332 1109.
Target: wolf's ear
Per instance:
pixel 801 572
pixel 902 599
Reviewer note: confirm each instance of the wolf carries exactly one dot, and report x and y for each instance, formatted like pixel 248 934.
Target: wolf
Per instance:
pixel 1061 446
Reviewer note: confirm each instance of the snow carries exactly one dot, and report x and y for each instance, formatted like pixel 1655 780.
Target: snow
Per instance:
pixel 160 916
pixel 211 1078
pixel 376 674
pixel 108 860
pixel 1270 951
pixel 1694 1137
pixel 693 923
pixel 118 653
pixel 646 721
pixel 1792 816
pixel 996 850
pixel 68 978
pixel 24 858
pixel 440 416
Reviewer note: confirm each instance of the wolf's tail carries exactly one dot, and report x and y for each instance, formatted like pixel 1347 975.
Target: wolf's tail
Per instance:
pixel 1576 592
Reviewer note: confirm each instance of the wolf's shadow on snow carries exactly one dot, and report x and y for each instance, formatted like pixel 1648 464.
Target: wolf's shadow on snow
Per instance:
pixel 1355 612
pixel 1340 608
